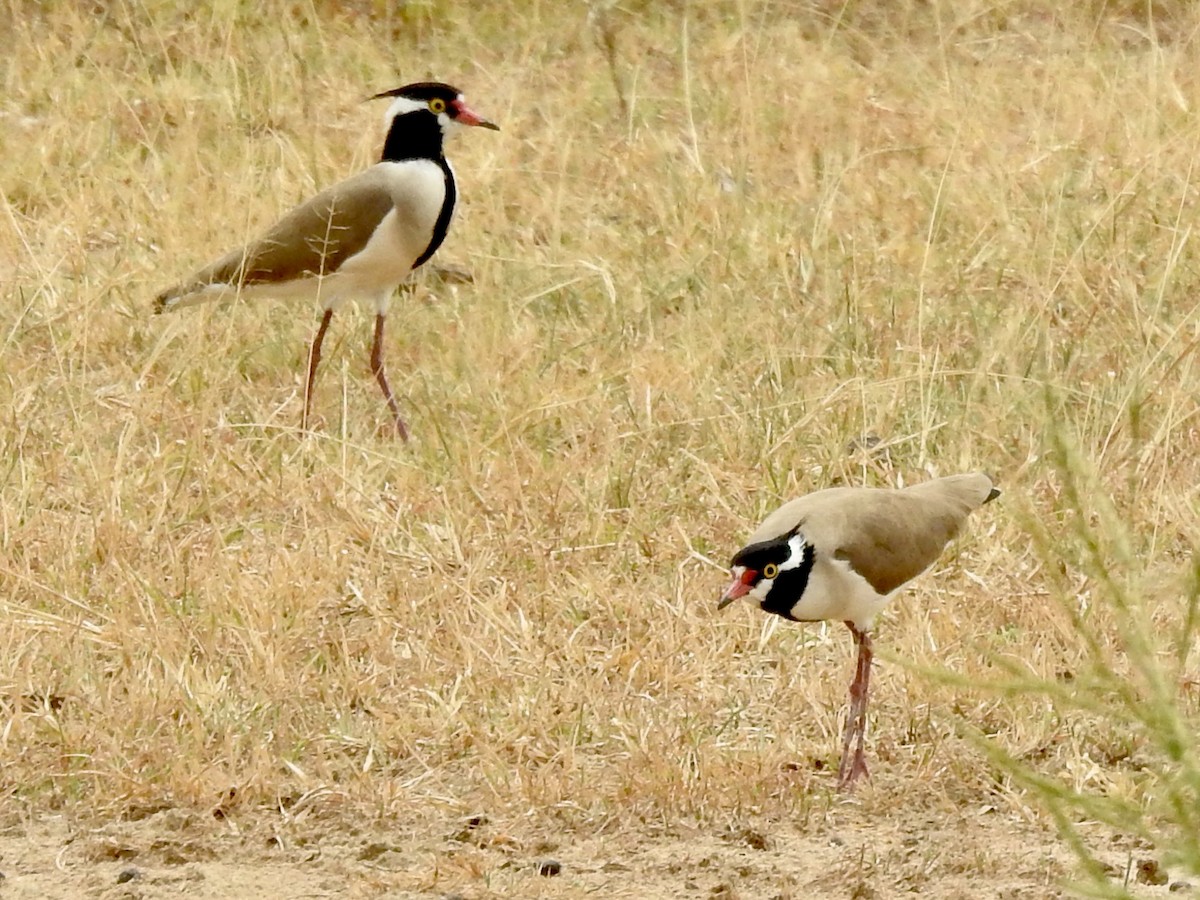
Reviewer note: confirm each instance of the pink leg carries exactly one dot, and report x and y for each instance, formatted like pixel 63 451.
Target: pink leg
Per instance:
pixel 856 721
pixel 314 357
pixel 377 370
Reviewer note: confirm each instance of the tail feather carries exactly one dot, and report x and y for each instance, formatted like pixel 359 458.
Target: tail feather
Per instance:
pixel 211 283
pixel 191 294
pixel 173 297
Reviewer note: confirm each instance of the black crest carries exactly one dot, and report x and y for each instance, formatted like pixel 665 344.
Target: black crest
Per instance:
pixel 423 91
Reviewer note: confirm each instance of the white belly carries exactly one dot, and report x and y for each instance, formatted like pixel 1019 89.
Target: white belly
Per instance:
pixel 418 189
pixel 836 591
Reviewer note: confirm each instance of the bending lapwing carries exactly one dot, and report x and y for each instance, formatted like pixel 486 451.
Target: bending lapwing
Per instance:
pixel 842 553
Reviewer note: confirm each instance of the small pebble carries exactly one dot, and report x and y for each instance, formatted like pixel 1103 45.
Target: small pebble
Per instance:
pixel 756 840
pixel 127 875
pixel 1178 886
pixel 1149 872
pixel 467 834
pixel 373 851
pixel 548 868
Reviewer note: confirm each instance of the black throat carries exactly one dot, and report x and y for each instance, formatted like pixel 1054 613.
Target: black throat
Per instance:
pixel 413 135
pixel 789 587
pixel 418 135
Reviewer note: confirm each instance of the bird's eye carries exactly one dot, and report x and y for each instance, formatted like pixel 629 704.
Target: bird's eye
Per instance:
pixel 770 570
pixel 437 105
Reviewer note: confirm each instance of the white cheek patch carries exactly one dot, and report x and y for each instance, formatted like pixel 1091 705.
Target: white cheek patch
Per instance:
pixel 760 590
pixel 447 122
pixel 796 544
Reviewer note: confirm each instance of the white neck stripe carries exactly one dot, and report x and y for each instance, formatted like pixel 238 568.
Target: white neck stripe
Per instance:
pixel 796 543
pixel 402 105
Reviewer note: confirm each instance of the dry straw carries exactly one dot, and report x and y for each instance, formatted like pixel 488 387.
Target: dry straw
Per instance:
pixel 722 254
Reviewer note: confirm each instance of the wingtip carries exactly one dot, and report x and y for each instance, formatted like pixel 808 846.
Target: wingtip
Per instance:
pixel 993 491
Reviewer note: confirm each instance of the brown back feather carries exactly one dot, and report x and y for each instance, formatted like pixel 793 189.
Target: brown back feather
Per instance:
pixel 342 218
pixel 887 536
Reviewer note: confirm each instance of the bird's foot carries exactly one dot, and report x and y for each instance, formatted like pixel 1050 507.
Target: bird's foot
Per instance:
pixel 848 774
pixel 401 429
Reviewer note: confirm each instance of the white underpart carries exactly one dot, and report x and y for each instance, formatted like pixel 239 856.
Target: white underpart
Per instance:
pixel 418 187
pixel 836 591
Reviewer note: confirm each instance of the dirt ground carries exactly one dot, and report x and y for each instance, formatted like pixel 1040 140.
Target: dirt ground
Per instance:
pixel 845 854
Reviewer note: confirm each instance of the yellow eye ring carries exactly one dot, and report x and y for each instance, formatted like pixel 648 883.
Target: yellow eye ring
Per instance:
pixel 770 570
pixel 437 105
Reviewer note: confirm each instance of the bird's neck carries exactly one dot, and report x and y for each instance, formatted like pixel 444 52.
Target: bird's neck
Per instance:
pixel 415 135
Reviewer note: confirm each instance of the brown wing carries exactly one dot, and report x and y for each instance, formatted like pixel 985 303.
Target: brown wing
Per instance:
pixel 887 536
pixel 311 240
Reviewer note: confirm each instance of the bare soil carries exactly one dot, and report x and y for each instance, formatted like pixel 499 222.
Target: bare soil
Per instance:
pixel 849 852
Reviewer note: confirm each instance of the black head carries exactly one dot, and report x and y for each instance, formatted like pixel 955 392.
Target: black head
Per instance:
pixel 420 117
pixel 773 572
pixel 442 102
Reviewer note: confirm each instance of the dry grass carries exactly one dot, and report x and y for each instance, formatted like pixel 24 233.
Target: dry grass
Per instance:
pixel 712 250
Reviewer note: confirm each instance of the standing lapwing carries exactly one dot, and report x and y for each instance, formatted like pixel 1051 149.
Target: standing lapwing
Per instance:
pixel 359 238
pixel 841 553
